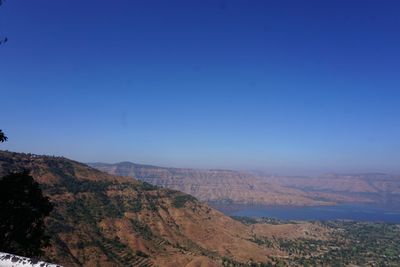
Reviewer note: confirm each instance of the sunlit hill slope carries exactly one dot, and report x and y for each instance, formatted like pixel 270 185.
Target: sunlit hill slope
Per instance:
pixel 105 220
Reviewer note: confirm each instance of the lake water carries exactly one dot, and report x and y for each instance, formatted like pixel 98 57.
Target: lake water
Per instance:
pixel 321 213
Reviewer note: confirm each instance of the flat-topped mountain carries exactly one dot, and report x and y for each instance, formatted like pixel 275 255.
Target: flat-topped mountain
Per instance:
pixel 240 187
pixel 215 186
pixel 105 220
pixel 377 188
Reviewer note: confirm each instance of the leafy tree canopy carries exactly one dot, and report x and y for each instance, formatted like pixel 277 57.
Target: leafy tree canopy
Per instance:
pixel 22 214
pixel 3 137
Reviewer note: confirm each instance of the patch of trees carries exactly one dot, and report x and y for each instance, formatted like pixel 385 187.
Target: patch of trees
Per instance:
pixel 144 186
pixel 22 214
pixel 3 137
pixel 23 210
pixel 142 229
pixel 180 200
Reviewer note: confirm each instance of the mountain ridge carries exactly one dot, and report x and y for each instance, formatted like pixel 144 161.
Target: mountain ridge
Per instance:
pixel 106 220
pixel 255 188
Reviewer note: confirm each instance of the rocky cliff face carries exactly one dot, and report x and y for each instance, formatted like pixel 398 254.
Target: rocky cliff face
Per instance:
pixel 235 187
pixel 216 186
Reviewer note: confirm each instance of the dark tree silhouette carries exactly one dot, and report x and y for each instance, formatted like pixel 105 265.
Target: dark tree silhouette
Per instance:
pixel 3 138
pixel 23 209
pixel 2 39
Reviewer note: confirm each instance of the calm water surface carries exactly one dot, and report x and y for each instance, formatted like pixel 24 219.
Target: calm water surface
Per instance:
pixel 340 212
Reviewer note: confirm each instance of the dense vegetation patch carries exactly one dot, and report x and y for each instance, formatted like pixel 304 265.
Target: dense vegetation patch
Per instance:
pixel 144 186
pixel 142 229
pixel 351 243
pixel 180 200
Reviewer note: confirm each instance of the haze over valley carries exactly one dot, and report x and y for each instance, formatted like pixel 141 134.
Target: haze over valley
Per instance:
pixel 226 187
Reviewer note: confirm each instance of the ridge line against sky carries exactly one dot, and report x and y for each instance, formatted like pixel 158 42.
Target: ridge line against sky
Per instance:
pixel 284 86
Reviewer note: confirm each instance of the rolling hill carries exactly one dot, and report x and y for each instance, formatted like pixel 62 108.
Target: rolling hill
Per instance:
pixel 105 220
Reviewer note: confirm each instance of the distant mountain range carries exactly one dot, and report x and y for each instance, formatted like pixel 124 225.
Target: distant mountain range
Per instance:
pixel 225 187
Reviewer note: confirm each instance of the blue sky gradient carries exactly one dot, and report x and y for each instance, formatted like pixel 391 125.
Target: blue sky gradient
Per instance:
pixel 285 86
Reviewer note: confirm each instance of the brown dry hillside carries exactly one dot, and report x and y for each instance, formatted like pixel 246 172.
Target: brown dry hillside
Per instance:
pixel 105 220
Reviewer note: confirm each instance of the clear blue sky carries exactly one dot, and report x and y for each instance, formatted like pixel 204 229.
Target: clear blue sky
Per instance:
pixel 283 86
